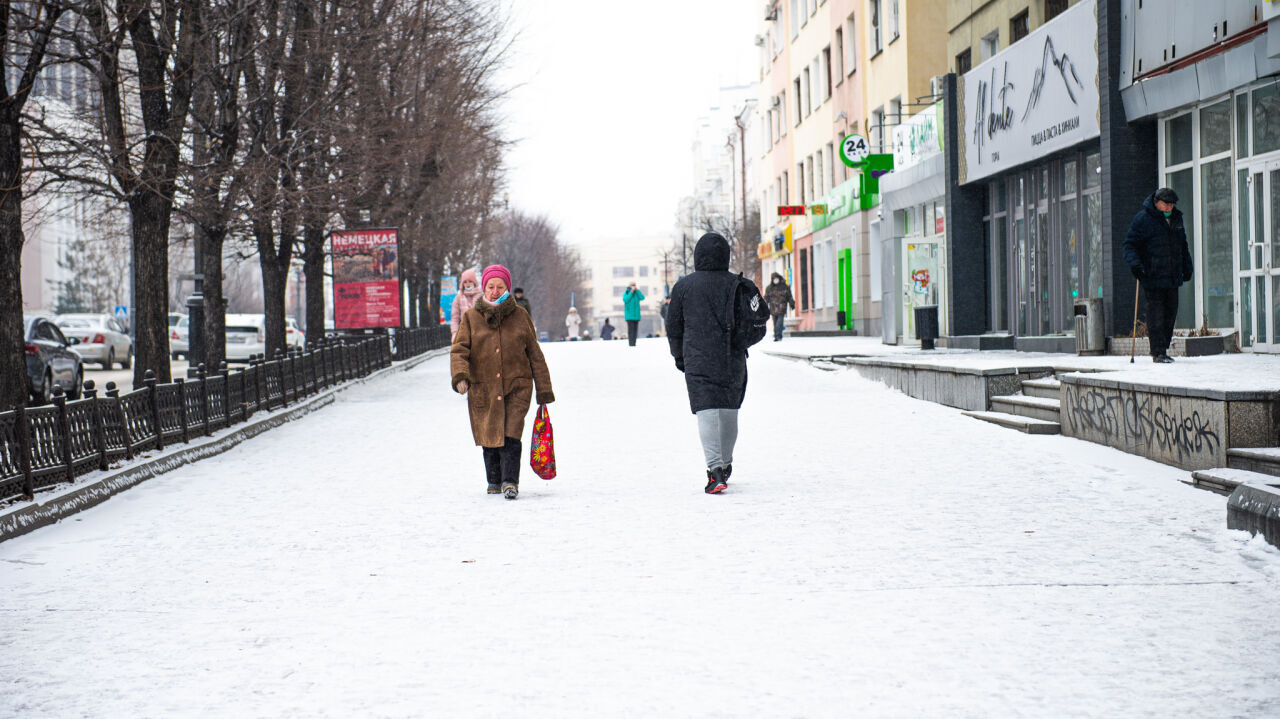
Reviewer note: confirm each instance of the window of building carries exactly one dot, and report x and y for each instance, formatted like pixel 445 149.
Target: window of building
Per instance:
pixel 800 184
pixel 851 46
pixel 791 18
pixel 807 88
pixel 964 61
pixel 624 272
pixel 895 112
pixel 1053 8
pixel 895 21
pixel 795 86
pixel 831 164
pixel 874 9
pixel 876 129
pixel 1019 26
pixel 837 57
pixel 786 189
pixel 644 271
pixel 990 45
pixel 782 114
pixel 617 291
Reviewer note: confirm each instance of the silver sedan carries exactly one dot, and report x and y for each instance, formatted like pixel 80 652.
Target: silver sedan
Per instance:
pixel 97 338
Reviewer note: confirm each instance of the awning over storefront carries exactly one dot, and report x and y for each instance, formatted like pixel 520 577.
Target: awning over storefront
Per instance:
pixel 922 182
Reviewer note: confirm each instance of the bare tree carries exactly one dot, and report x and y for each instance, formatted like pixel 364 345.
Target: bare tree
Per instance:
pixel 549 271
pixel 25 29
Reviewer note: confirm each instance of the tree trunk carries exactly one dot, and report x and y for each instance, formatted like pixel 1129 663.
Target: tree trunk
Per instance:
pixel 313 270
pixel 215 303
pixel 275 280
pixel 150 213
pixel 13 378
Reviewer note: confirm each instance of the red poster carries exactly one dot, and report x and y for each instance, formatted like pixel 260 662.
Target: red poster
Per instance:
pixel 366 278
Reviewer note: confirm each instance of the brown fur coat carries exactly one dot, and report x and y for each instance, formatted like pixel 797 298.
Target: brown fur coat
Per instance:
pixel 496 351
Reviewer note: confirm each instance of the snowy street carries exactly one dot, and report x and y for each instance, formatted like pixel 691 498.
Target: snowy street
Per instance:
pixel 874 555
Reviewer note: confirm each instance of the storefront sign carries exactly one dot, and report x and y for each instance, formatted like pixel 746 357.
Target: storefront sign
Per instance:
pixel 1037 97
pixel 788 210
pixel 917 138
pixel 366 278
pixel 817 209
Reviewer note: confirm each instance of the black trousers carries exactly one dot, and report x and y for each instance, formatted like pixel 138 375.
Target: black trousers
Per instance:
pixel 1162 311
pixel 633 329
pixel 502 464
pixel 778 326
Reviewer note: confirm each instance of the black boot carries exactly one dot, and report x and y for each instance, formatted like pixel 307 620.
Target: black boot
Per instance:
pixel 493 470
pixel 716 480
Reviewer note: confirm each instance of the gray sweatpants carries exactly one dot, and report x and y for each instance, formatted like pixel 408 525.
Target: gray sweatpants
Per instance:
pixel 718 430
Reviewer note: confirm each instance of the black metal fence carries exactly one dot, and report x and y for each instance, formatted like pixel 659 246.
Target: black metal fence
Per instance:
pixel 42 446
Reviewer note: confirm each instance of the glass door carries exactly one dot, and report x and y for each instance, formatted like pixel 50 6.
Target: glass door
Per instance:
pixel 1259 257
pixel 919 281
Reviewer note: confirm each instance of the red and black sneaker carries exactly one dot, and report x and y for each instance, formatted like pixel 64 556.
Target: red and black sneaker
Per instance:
pixel 716 480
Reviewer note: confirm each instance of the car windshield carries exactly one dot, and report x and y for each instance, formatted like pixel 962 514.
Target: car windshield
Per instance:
pixel 182 322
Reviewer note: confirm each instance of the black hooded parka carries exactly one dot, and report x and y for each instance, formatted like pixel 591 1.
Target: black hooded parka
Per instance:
pixel 700 323
pixel 1156 247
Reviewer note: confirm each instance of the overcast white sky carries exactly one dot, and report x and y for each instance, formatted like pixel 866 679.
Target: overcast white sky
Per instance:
pixel 606 111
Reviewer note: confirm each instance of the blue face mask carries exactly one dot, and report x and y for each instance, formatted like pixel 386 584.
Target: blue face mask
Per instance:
pixel 502 299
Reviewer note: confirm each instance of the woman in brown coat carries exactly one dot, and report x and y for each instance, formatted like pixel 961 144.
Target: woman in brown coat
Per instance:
pixel 496 362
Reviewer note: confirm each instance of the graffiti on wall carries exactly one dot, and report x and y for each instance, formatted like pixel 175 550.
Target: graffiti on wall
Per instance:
pixel 1123 418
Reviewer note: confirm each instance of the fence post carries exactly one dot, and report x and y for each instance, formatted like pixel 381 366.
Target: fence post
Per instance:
pixel 24 452
pixel 258 382
pixel 113 393
pixel 64 429
pixel 99 428
pixel 284 388
pixel 226 391
pixel 204 397
pixel 182 403
pixel 149 379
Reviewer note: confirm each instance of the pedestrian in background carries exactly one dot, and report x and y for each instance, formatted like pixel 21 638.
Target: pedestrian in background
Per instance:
pixel 573 324
pixel 779 298
pixel 468 293
pixel 631 300
pixel 700 331
pixel 1156 250
pixel 522 301
pixel 606 330
pixel 496 362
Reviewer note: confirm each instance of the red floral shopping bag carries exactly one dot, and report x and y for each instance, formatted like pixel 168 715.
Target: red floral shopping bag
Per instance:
pixel 542 449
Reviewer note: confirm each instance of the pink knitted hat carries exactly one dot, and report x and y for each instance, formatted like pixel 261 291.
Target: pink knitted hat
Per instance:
pixel 467 274
pixel 495 271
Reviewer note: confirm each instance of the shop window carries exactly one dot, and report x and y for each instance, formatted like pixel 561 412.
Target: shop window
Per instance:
pixel 1216 270
pixel 1177 140
pixel 1068 181
pixel 1215 128
pixel 1093 170
pixel 1242 125
pixel 1266 119
pixel 964 61
pixel 1092 227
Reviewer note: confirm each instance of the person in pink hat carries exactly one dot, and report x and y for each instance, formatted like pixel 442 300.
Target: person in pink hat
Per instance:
pixel 468 292
pixel 497 363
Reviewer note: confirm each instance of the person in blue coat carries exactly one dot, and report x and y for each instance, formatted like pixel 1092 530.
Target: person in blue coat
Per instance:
pixel 631 300
pixel 606 330
pixel 1156 251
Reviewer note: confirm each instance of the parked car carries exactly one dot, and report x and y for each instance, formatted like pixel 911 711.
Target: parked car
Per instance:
pixel 98 338
pixel 174 318
pixel 246 335
pixel 293 336
pixel 50 361
pixel 179 338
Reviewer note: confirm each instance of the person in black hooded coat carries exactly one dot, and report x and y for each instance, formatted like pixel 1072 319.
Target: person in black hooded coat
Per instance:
pixel 1155 248
pixel 700 321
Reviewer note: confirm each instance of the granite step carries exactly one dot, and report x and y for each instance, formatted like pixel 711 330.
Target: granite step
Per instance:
pixel 1022 423
pixel 1265 460
pixel 1224 480
pixel 1045 387
pixel 1049 410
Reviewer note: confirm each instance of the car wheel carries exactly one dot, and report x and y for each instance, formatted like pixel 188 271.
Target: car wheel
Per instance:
pixel 77 385
pixel 128 360
pixel 111 359
pixel 46 390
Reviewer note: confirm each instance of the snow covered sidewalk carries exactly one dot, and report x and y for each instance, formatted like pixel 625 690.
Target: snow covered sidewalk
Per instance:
pixel 874 556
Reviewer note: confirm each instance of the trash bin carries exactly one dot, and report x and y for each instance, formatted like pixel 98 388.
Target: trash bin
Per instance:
pixel 926 325
pixel 1090 335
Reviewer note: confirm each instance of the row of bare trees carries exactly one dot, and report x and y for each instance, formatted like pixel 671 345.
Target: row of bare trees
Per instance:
pixel 259 124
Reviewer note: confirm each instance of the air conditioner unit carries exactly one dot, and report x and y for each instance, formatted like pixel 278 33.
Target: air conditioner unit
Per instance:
pixel 759 42
pixel 936 85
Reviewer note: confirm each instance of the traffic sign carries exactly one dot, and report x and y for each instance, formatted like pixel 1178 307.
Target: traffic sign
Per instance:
pixel 854 149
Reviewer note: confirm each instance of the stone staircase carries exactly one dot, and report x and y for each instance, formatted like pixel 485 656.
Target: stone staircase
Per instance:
pixel 1037 409
pixel 1256 465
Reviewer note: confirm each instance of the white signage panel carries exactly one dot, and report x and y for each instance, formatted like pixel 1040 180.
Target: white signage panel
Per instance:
pixel 1035 98
pixel 917 138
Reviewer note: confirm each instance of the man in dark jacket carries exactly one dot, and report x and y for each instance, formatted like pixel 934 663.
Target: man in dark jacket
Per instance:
pixel 1156 250
pixel 700 323
pixel 522 301
pixel 778 297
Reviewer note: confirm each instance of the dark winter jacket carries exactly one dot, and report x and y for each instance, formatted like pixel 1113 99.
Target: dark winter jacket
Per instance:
pixel 524 302
pixel 778 296
pixel 1156 248
pixel 699 328
pixel 606 331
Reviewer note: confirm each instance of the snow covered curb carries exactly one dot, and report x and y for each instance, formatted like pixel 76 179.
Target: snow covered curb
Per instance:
pixel 96 488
